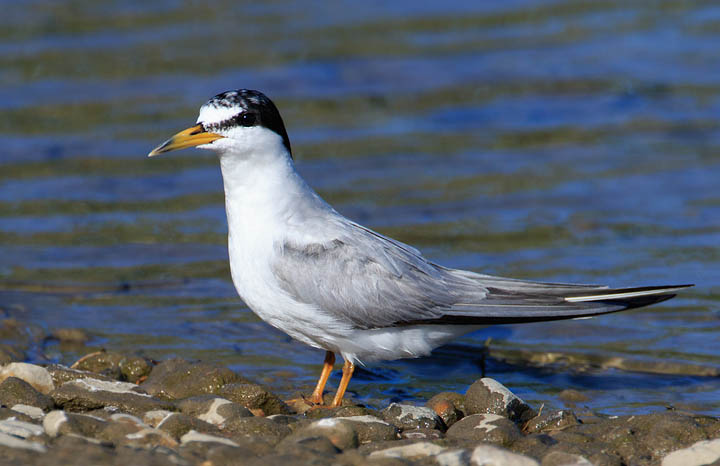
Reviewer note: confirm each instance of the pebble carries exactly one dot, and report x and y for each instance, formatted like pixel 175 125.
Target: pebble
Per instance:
pixel 449 406
pixel 559 458
pixel 194 436
pixel 87 394
pixel 553 420
pixel 372 429
pixel 407 417
pixel 490 396
pixel 176 379
pixel 32 411
pixel 254 397
pixel 488 455
pixel 699 453
pixel 37 376
pixel 14 391
pixel 491 428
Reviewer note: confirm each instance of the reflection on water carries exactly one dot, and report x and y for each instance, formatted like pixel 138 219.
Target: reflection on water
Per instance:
pixel 562 141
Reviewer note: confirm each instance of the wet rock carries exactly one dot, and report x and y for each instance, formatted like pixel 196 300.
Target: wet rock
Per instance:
pixel 71 336
pixel 488 455
pixel 115 365
pixel 340 432
pixel 12 442
pixel 407 417
pixel 178 424
pixel 193 436
pixel 699 453
pixel 417 450
pixel 491 428
pixel 372 429
pixel 550 421
pixel 212 409
pixel 422 434
pixel 87 394
pixel 533 445
pixel 7 413
pixel 124 429
pixel 449 406
pixel 33 412
pixel 303 448
pixel 177 379
pixel 490 396
pixel 20 429
pixel 261 427
pixel 14 391
pixel 61 423
pixel 36 376
pixel 76 450
pixel 643 439
pixel 20 335
pixel 557 458
pixel 61 374
pixel 570 395
pixel 255 398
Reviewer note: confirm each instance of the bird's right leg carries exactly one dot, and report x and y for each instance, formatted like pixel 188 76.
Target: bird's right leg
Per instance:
pixel 317 394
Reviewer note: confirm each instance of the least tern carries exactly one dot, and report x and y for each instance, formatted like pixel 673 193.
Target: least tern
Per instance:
pixel 336 285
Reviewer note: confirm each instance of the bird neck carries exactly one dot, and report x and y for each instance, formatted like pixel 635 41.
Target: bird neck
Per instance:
pixel 263 194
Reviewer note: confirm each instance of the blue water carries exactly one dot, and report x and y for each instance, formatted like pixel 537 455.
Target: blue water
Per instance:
pixel 560 141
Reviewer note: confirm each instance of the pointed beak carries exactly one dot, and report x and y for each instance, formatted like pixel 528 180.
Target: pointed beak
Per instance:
pixel 190 137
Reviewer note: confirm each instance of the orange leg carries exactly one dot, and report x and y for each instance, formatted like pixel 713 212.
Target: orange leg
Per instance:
pixel 317 394
pixel 348 369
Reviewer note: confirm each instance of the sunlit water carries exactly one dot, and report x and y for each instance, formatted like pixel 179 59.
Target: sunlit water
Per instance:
pixel 561 141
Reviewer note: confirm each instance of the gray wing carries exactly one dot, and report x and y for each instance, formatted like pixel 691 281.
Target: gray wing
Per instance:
pixel 371 281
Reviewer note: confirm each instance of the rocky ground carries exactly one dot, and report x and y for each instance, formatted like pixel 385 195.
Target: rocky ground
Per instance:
pixel 110 408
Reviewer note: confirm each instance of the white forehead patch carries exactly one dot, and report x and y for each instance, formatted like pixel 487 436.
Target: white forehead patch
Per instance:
pixel 210 113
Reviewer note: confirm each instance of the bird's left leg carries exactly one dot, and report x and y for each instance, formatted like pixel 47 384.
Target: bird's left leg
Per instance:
pixel 317 394
pixel 348 369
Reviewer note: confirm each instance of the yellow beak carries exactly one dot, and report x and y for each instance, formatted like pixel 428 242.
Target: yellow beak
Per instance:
pixel 190 137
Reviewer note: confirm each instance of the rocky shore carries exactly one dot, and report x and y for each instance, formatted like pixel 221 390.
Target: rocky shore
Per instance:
pixel 110 408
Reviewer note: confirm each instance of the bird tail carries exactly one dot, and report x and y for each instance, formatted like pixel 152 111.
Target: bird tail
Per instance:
pixel 514 303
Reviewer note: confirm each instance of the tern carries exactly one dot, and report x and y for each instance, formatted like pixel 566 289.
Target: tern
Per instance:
pixel 335 285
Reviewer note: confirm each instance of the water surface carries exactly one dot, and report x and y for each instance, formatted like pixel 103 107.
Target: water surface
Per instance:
pixel 560 140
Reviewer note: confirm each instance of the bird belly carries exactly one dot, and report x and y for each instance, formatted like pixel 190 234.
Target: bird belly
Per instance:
pixel 413 341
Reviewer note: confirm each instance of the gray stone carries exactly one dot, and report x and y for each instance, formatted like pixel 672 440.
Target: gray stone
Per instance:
pixel 61 374
pixel 14 391
pixel 124 429
pixel 7 413
pixel 115 365
pixel 422 434
pixel 177 425
pixel 87 394
pixel 31 411
pixel 58 423
pixel 697 454
pixel 409 417
pixel 194 436
pixel 71 336
pixel 417 450
pixel 340 432
pixel 261 427
pixel 491 428
pixel 255 398
pixel 489 396
pixel 177 379
pixel 212 409
pixel 488 455
pixel 36 376
pixel 550 421
pixel 372 429
pixel 557 458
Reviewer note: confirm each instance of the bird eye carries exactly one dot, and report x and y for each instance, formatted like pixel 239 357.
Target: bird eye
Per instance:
pixel 247 119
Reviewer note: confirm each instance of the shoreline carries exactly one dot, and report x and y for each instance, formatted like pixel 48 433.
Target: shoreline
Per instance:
pixel 113 408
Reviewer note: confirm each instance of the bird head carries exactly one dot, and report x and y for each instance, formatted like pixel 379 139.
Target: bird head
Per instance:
pixel 241 122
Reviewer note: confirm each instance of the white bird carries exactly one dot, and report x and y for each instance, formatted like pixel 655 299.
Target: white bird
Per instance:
pixel 333 284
